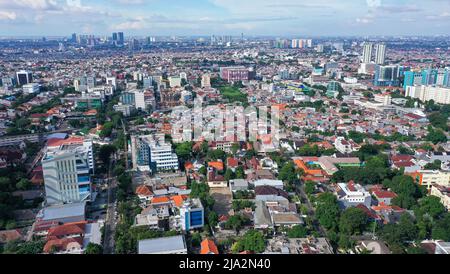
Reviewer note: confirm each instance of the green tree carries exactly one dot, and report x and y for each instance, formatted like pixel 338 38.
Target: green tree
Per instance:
pixel 353 221
pixel 327 211
pixel 251 241
pixel 441 228
pixel 105 153
pixel 288 173
pixel 196 239
pixel 213 219
pixel 432 206
pixel 183 150
pixel 92 248
pixel 23 184
pixel 297 231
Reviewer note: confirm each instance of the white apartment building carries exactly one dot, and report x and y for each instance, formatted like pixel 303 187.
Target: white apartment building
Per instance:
pixel 153 153
pixel 429 177
pixel 426 93
pixel 67 175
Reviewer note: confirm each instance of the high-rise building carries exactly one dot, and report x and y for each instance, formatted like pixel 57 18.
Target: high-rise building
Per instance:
pixel 439 95
pixel 121 38
pixel 380 54
pixel 367 52
pixel 153 153
pixel 74 38
pixel 24 77
pixel 67 165
pixel 433 77
pixel 387 75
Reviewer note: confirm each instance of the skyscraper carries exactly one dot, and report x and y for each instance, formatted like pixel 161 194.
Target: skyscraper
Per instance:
pixel 24 77
pixel 121 39
pixel 380 54
pixel 367 52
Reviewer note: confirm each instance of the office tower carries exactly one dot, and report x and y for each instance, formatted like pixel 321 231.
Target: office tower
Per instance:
pixel 24 77
pixel 192 215
pixel 387 75
pixel 114 38
pixel 74 38
pixel 206 81
pixel 380 54
pixel 367 52
pixel 67 165
pixel 121 38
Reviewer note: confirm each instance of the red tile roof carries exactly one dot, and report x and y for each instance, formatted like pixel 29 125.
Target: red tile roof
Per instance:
pixel 160 200
pixel 384 194
pixel 208 247
pixel 143 190
pixel 76 228
pixel 232 162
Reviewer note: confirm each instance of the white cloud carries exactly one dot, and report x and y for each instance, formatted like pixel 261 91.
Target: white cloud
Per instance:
pixel 4 15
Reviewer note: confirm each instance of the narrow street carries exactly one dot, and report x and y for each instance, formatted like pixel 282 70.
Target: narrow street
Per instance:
pixel 311 211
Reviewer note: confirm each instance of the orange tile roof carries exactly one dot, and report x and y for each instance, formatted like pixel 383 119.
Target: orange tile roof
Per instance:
pixel 178 200
pixel 217 165
pixel 143 190
pixel 188 165
pixel 67 229
pixel 159 200
pixel 54 142
pixel 301 164
pixel 208 247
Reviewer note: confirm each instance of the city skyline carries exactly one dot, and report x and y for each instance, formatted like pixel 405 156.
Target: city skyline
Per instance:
pixel 229 17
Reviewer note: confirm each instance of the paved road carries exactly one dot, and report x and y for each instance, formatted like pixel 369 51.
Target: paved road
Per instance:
pixel 311 211
pixel 110 222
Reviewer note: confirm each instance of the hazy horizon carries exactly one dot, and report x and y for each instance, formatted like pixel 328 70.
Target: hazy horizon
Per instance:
pixel 226 17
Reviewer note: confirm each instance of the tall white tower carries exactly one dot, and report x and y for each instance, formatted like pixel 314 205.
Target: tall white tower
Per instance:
pixel 367 52
pixel 380 54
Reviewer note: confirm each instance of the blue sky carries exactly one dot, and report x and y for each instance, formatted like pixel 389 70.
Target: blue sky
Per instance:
pixel 232 17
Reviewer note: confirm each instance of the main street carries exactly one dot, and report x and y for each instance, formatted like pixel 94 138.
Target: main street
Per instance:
pixel 311 211
pixel 111 213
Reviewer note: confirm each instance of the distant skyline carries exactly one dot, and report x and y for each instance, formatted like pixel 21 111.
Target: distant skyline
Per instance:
pixel 227 17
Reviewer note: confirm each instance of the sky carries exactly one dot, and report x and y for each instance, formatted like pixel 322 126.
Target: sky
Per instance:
pixel 225 17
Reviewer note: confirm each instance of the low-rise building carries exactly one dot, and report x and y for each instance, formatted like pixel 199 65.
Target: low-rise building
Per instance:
pixel 352 194
pixel 165 245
